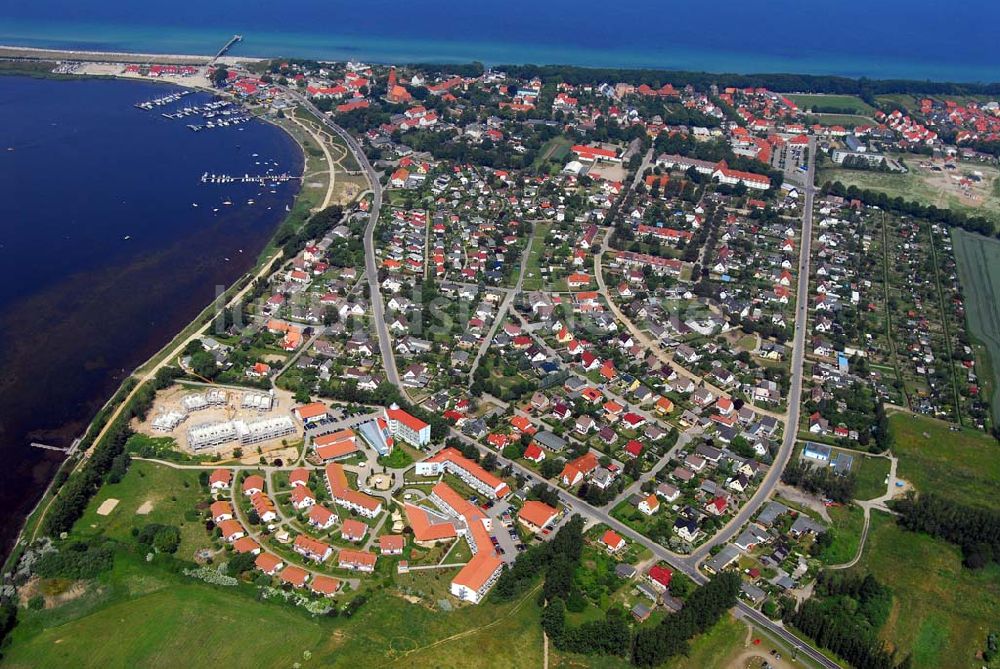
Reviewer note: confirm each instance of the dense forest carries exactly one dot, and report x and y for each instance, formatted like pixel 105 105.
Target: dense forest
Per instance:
pixel 863 87
pixel 975 530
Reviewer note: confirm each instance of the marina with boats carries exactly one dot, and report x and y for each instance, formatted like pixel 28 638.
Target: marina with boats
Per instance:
pixel 214 114
pixel 162 101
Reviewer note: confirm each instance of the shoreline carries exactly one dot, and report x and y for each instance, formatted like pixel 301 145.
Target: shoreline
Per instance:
pixel 202 318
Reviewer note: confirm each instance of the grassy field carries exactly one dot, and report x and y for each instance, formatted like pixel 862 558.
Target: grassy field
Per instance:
pixel 848 522
pixel 910 102
pixel 978 260
pixel 961 465
pixel 845 102
pixel 556 149
pixel 170 493
pixel 161 619
pixel 181 625
pixel 846 120
pixel 870 476
pixel 941 611
pixel 924 186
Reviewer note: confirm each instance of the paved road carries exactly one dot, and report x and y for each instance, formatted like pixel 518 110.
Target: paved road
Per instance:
pixel 502 311
pixel 371 270
pixel 795 388
pixel 682 440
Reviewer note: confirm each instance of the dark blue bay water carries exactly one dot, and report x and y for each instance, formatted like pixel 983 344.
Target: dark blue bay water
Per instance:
pixel 918 39
pixel 81 169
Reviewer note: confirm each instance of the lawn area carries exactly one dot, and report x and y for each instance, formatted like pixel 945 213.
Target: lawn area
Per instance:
pixel 397 459
pixel 941 611
pixel 207 627
pixel 170 492
pixel 822 102
pixel 160 619
pixel 978 260
pixel 962 465
pixel 848 521
pixel 532 270
pixel 870 476
pixel 389 632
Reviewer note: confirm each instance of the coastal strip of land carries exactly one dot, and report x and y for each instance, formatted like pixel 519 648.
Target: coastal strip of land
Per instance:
pixel 33 53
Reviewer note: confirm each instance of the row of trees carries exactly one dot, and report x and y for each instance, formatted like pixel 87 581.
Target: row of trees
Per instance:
pixel 649 646
pixel 567 544
pixel 898 205
pixel 653 646
pixel 976 530
pixel 108 462
pixel 293 238
pixel 863 87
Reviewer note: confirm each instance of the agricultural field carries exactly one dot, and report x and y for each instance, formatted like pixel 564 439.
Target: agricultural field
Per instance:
pixel 969 188
pixel 842 103
pixel 941 611
pixel 958 464
pixel 978 260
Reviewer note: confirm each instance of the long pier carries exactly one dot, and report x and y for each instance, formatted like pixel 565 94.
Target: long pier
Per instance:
pixel 64 449
pixel 229 45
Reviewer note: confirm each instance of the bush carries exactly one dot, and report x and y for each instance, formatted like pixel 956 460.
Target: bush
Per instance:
pixel 77 560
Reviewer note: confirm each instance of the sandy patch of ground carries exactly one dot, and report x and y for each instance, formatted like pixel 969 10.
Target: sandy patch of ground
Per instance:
pixel 107 506
pixel 144 510
pixel 809 501
pixel 755 659
pixel 55 591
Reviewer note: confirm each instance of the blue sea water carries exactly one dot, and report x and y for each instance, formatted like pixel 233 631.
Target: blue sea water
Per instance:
pixel 103 255
pixel 918 39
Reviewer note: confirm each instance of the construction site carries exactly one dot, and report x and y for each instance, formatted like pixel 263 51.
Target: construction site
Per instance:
pixel 217 420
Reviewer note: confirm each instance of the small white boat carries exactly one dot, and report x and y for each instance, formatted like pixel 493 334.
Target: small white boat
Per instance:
pixel 127 237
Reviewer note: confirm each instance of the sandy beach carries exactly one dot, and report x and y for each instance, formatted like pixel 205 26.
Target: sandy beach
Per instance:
pixel 115 56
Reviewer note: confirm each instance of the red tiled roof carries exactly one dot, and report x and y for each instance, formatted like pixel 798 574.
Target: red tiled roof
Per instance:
pixel 537 513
